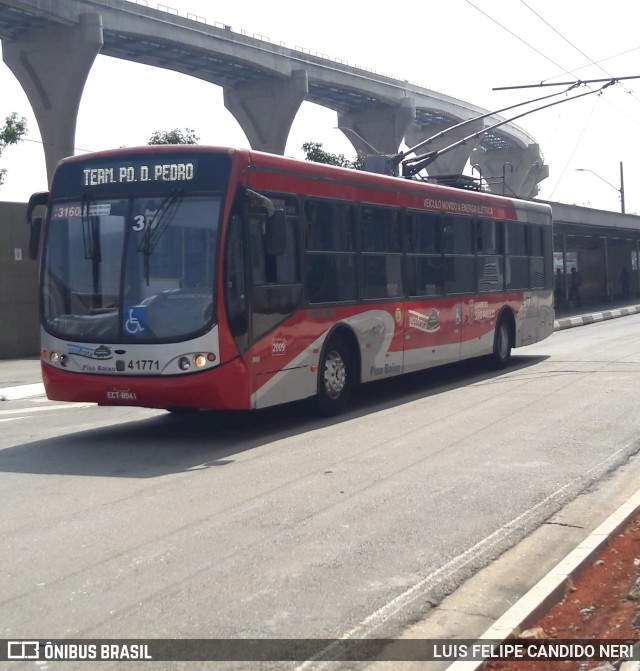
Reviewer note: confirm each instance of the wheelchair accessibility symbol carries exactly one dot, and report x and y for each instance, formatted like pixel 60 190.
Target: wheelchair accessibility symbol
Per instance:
pixel 135 320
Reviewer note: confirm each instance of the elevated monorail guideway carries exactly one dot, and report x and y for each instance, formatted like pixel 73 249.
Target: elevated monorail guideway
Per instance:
pixel 46 44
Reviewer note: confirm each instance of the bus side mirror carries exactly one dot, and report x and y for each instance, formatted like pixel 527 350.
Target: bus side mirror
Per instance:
pixel 275 237
pixel 35 223
pixel 34 237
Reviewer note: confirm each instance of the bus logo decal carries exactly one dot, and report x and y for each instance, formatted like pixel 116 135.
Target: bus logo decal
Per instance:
pixel 428 324
pixel 101 352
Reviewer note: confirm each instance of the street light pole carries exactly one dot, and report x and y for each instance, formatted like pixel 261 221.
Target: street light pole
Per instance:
pixel 619 190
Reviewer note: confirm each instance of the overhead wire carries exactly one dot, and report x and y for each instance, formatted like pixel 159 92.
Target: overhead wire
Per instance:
pixel 520 39
pixel 572 45
pixel 562 69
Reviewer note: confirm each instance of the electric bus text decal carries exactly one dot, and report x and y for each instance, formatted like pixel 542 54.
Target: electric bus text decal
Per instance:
pixel 158 172
pixel 457 207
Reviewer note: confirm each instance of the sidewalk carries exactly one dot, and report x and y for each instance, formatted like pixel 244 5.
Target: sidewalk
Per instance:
pixel 21 378
pixel 595 312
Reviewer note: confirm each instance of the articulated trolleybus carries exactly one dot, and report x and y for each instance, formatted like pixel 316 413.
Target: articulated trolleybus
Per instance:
pixel 186 277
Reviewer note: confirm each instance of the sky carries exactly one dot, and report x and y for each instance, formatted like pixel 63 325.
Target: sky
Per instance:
pixel 462 48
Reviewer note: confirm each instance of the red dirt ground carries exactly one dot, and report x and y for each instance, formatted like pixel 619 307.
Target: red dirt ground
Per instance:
pixel 598 607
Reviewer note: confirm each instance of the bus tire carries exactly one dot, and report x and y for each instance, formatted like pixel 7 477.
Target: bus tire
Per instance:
pixel 335 377
pixel 502 344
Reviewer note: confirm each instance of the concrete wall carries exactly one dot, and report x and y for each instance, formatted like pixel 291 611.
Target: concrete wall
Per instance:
pixel 19 324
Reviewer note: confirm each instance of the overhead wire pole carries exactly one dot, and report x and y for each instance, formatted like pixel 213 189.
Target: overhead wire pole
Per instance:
pixel 396 159
pixel 413 166
pixel 613 80
pixel 479 117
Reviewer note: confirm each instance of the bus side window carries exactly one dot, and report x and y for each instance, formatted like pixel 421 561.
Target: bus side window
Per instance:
pixel 261 271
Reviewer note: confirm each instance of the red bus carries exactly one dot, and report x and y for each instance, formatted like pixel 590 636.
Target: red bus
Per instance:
pixel 184 277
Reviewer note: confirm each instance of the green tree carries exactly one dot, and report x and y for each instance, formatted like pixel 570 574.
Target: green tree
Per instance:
pixel 15 128
pixel 175 136
pixel 314 152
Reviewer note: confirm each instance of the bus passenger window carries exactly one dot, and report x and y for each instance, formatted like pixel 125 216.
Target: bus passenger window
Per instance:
pixel 329 226
pixel 460 274
pixel 331 278
pixel 423 233
pixel 457 235
pixel 517 260
pixel 425 276
pixel 330 262
pixel 381 242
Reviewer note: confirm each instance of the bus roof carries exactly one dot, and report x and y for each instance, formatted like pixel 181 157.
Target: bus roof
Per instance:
pixel 274 162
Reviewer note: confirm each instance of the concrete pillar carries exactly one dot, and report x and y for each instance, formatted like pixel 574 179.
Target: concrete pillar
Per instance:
pixel 52 65
pixel 265 109
pixel 378 129
pixel 525 169
pixel 452 162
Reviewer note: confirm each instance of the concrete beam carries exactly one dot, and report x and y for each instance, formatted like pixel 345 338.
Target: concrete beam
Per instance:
pixel 452 162
pixel 378 129
pixel 52 65
pixel 266 108
pixel 512 172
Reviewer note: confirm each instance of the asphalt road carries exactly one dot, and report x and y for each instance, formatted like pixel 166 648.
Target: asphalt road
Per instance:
pixel 129 523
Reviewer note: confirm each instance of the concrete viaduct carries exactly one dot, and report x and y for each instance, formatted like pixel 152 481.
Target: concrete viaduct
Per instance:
pixel 50 46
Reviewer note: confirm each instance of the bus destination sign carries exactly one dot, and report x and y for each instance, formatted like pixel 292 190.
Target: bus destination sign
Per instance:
pixel 138 172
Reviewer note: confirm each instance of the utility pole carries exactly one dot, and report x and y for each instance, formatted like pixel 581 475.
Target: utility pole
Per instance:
pixel 619 190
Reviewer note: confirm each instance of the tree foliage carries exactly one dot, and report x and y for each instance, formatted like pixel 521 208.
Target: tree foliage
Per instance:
pixel 314 152
pixel 14 129
pixel 176 136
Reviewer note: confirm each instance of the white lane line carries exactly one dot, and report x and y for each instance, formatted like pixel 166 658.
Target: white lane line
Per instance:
pixel 372 622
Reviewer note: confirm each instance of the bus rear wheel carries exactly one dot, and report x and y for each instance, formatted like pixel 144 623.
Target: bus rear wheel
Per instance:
pixel 335 378
pixel 502 345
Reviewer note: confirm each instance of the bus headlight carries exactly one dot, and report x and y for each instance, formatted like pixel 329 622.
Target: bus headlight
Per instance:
pixel 184 363
pixel 54 357
pixel 200 360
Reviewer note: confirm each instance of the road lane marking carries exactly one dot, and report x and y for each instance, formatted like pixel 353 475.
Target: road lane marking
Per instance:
pixel 379 617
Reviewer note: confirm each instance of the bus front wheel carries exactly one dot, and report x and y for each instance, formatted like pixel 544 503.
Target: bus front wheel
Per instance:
pixel 335 377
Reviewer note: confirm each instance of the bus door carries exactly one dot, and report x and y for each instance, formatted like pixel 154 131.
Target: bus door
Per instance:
pixel 278 369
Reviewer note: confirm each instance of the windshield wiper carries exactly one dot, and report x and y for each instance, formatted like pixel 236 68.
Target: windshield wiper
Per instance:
pixel 91 242
pixel 157 226
pixel 90 231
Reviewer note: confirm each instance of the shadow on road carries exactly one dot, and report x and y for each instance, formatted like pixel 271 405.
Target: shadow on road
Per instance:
pixel 166 443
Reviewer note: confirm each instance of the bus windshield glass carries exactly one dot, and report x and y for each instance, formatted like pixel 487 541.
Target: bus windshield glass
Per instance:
pixel 124 269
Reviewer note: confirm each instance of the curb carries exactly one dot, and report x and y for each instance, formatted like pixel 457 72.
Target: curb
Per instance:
pixel 21 391
pixel 591 318
pixel 553 587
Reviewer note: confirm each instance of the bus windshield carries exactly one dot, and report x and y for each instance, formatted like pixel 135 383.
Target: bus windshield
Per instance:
pixel 130 269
